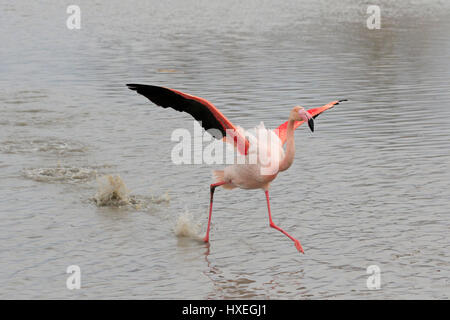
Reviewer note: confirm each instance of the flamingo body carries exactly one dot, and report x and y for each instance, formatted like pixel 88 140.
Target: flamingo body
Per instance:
pixel 250 175
pixel 262 149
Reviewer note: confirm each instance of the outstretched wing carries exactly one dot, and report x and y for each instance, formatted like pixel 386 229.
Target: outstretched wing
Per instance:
pixel 282 130
pixel 201 109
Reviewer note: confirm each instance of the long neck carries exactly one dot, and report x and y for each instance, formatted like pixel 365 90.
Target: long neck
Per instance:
pixel 290 147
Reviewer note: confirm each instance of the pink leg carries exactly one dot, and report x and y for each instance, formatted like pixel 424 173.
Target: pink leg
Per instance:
pixel 273 225
pixel 211 188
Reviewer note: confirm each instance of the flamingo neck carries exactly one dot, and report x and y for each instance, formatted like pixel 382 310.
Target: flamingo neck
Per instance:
pixel 290 147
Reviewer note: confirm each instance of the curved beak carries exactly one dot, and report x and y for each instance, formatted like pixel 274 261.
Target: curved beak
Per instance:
pixel 306 116
pixel 311 124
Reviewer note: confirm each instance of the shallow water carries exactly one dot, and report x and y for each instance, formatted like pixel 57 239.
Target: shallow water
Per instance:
pixel 375 190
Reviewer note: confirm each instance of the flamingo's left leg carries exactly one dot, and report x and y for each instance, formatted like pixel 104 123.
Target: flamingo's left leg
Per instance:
pixel 273 225
pixel 212 188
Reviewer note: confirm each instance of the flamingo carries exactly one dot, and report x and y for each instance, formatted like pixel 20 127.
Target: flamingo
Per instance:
pixel 241 175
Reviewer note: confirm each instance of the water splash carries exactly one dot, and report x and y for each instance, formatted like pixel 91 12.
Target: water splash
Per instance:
pixel 164 198
pixel 60 174
pixel 112 192
pixel 186 226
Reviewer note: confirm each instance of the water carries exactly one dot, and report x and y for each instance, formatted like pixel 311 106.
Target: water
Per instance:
pixel 375 191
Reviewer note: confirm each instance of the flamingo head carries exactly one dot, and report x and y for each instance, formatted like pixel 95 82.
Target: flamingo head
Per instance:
pixel 299 113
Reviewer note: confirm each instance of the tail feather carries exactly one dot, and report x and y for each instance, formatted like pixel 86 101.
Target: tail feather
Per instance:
pixel 219 176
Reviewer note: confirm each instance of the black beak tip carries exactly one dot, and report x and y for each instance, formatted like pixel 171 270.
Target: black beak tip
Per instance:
pixel 311 124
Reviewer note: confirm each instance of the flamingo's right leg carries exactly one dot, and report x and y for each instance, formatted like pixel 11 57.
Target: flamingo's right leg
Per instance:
pixel 212 188
pixel 273 225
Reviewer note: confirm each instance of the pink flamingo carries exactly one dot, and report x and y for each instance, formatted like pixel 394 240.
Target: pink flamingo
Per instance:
pixel 249 175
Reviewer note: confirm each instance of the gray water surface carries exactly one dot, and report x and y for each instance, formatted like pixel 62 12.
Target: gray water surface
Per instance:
pixel 369 187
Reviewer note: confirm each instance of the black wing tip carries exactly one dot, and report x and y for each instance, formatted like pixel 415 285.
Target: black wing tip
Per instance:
pixel 142 88
pixel 341 100
pixel 134 86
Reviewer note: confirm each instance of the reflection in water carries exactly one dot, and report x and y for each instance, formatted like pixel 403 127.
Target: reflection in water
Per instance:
pixel 223 288
pixel 244 285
